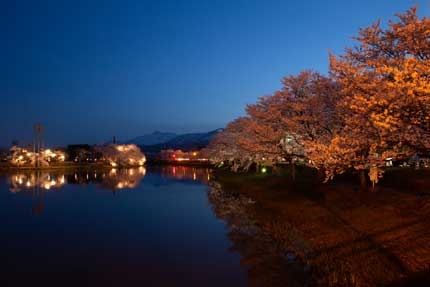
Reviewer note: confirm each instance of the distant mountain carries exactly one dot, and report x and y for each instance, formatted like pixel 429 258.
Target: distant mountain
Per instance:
pixel 152 139
pixel 185 142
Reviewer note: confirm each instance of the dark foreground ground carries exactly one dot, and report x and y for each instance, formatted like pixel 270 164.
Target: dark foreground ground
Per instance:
pixel 342 235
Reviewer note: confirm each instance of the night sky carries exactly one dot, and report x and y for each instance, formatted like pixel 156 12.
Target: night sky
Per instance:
pixel 89 70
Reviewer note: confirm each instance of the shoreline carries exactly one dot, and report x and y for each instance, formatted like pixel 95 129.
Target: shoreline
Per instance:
pixel 10 167
pixel 71 165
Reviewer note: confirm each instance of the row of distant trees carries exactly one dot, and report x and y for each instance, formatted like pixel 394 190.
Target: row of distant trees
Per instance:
pixel 373 105
pixel 114 154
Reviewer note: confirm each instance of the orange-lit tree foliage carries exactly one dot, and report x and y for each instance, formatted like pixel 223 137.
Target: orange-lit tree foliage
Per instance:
pixel 226 149
pixel 302 113
pixel 264 130
pixel 279 127
pixel 374 105
pixel 386 93
pixel 311 100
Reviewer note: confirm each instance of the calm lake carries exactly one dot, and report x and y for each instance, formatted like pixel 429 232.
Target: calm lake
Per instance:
pixel 136 227
pixel 181 226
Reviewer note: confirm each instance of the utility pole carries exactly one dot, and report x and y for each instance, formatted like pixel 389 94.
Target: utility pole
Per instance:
pixel 38 142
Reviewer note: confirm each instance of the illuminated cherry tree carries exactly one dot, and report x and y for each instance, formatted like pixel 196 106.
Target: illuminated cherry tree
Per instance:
pixel 385 107
pixel 122 155
pixel 373 105
pixel 225 148
pixel 26 157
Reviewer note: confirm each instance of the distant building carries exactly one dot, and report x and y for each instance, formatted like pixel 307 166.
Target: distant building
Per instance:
pixel 83 153
pixel 179 155
pixel 5 155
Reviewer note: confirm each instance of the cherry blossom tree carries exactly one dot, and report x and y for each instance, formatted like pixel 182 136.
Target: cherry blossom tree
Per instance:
pixel 122 155
pixel 225 148
pixel 386 88
pixel 373 105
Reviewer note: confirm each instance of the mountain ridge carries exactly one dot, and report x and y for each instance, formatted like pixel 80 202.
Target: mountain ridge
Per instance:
pixel 185 142
pixel 153 138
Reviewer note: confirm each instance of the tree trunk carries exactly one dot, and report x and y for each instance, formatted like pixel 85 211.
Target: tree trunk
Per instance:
pixel 320 175
pixel 363 180
pixel 293 171
pixel 275 170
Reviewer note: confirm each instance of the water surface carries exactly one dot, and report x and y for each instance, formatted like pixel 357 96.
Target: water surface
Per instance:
pixel 138 227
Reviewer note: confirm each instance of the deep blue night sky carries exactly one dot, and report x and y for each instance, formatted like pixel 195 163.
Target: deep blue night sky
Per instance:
pixel 88 69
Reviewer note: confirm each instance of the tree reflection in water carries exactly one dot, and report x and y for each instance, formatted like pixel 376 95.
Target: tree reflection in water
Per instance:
pixel 54 180
pixel 117 179
pixel 36 179
pixel 202 175
pixel 40 182
pixel 268 263
pixel 344 236
pixel 113 179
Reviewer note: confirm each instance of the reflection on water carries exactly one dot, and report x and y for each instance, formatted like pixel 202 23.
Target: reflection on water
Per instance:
pixel 113 179
pixel 29 181
pixel 122 178
pixel 39 182
pixel 345 237
pixel 268 263
pixel 161 234
pixel 164 234
pixel 186 172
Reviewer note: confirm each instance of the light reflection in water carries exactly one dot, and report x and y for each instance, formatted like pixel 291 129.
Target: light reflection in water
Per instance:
pixel 32 180
pixel 54 180
pixel 113 179
pixel 131 230
pixel 117 179
pixel 40 182
pixel 186 173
